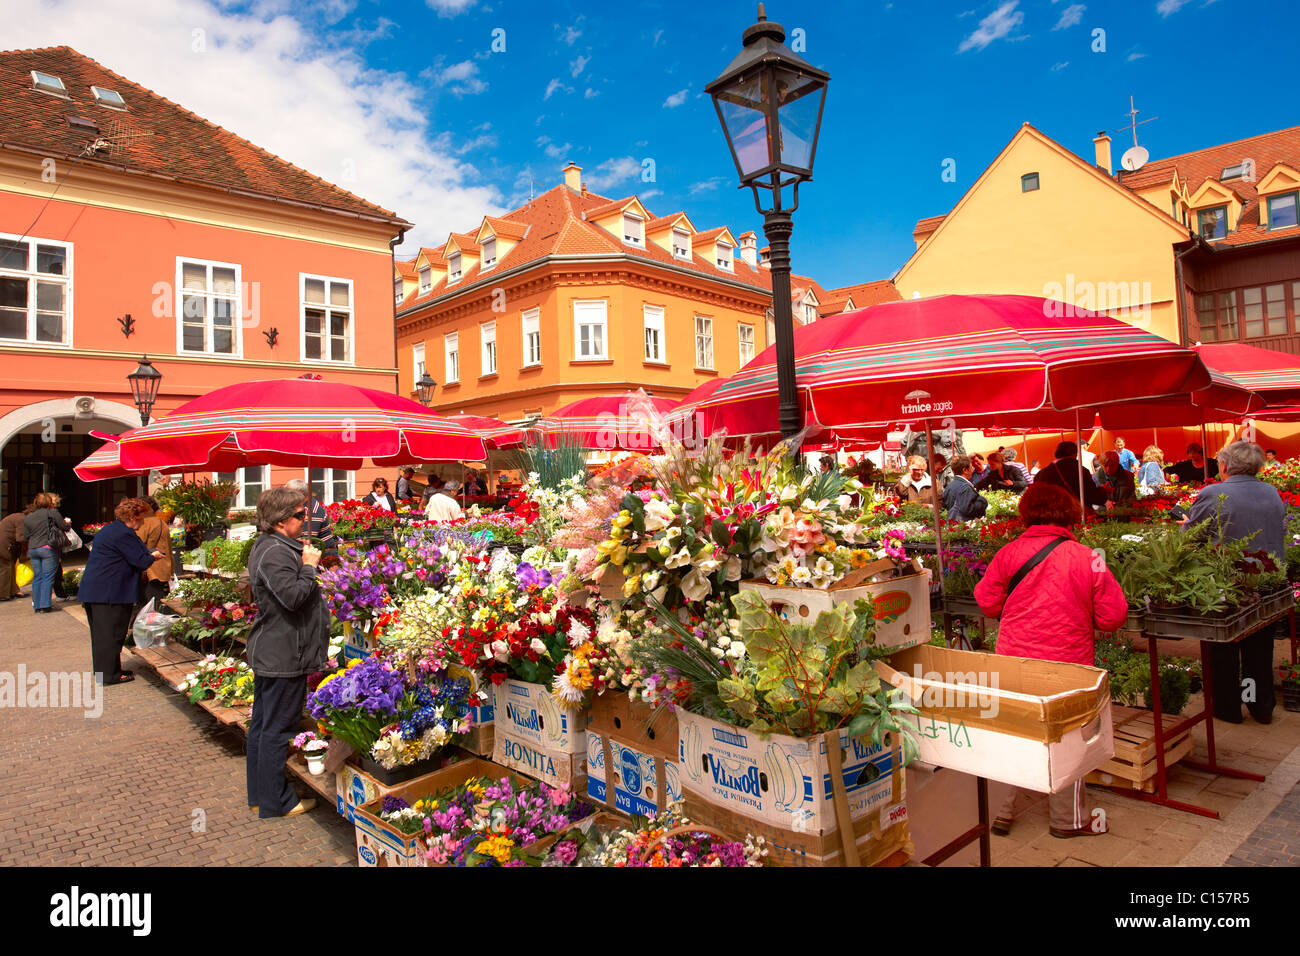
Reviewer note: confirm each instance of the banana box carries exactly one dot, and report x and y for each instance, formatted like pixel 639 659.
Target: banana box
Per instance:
pixel 354 787
pixel 530 713
pixel 652 730
pixel 782 786
pixel 900 605
pixel 628 779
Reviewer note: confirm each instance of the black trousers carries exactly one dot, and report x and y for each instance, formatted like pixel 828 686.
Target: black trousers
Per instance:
pixel 1230 664
pixel 277 717
pixel 108 627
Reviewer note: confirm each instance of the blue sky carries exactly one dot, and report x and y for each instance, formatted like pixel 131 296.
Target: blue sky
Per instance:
pixel 408 104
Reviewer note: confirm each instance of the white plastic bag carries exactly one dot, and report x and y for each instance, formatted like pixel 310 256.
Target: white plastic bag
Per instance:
pixel 151 627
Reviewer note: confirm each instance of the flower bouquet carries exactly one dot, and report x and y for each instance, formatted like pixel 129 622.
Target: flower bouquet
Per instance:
pixel 668 840
pixel 90 530
pixel 353 519
pixel 390 717
pixel 228 681
pixel 313 749
pixel 486 822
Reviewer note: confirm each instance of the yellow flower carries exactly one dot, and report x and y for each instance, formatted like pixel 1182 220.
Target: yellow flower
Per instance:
pixel 498 847
pixel 352 663
pixel 618 556
pixel 328 679
pixel 623 520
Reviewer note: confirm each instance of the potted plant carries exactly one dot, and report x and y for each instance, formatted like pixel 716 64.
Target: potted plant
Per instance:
pixel 201 504
pixel 313 749
pixel 1290 675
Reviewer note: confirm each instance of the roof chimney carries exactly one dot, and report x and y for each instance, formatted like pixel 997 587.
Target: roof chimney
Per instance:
pixel 573 177
pixel 749 249
pixel 1102 142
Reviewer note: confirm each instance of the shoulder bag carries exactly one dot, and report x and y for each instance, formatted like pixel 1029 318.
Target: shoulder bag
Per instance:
pixel 1039 557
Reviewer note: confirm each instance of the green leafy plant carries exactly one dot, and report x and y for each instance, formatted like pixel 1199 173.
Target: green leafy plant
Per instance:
pixel 201 502
pixel 1130 676
pixel 206 592
pixel 554 457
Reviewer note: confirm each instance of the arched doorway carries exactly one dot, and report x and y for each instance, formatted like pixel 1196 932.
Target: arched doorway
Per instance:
pixel 41 443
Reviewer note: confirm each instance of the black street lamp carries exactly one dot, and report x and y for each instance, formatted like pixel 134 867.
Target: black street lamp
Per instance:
pixel 770 102
pixel 424 388
pixel 144 387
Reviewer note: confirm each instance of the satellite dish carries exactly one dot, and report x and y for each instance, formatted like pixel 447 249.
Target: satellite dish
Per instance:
pixel 1135 158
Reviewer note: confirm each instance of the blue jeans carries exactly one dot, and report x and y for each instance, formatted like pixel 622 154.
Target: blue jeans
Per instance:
pixel 45 562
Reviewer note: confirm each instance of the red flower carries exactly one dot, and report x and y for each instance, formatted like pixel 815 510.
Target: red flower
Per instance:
pixel 497 678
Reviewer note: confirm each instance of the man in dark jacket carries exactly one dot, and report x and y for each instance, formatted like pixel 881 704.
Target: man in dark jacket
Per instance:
pixel 960 499
pixel 1194 467
pixel 1242 506
pixel 1115 480
pixel 1064 472
pixel 289 641
pixel 11 539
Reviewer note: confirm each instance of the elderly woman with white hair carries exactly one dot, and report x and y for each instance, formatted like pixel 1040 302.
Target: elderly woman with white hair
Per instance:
pixel 1240 507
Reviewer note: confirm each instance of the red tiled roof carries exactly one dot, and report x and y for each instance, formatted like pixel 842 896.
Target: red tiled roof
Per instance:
pixel 465 241
pixel 869 293
pixel 1265 150
pixel 405 268
pixel 605 208
pixel 506 227
pixel 927 226
pixel 434 256
pixel 663 222
pixel 710 234
pixel 164 138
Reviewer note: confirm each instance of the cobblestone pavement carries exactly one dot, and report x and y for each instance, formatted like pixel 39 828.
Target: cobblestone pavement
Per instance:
pixel 152 781
pixel 1276 841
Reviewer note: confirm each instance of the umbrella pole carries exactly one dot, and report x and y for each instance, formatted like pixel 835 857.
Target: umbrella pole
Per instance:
pixel 1078 435
pixel 1205 456
pixel 306 527
pixel 934 503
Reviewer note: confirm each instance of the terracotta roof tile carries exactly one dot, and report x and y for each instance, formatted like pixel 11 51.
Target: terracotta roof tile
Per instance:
pixel 465 241
pixel 605 208
pixel 506 227
pixel 869 293
pixel 663 222
pixel 927 226
pixel 158 136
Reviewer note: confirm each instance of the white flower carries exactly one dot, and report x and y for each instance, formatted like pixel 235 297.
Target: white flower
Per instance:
pixel 696 586
pixel 657 515
pixel 672 533
pixel 650 580
pixel 736 650
pixel 717 652
pixel 501 651
pixel 564 689
pixel 578 633
pixel 801 575
pixel 536 645
pixel 723 641
pixel 679 560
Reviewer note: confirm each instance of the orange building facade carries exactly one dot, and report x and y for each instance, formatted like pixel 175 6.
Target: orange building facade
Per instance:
pixel 224 263
pixel 575 295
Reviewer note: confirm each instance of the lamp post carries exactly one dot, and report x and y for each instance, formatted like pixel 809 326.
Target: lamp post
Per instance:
pixel 424 389
pixel 769 101
pixel 144 388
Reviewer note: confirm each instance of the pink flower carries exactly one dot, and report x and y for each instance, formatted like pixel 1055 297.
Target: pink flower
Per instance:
pixel 806 535
pixel 237 614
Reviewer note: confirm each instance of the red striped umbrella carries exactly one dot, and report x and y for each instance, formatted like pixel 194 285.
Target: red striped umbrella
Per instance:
pixel 298 423
pixel 494 432
pixel 627 422
pixel 105 462
pixel 968 358
pixel 1274 376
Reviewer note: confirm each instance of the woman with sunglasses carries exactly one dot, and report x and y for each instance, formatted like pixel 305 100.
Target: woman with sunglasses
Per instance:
pixel 289 640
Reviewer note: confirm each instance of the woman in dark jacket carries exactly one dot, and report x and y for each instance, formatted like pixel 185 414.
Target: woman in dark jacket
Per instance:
pixel 110 586
pixel 379 496
pixel 44 528
pixel 289 640
pixel 1001 478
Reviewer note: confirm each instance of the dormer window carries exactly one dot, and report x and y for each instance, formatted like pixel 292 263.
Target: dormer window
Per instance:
pixel 48 83
pixel 489 252
pixel 397 291
pixel 110 98
pixel 633 230
pixel 1213 223
pixel 681 244
pixel 1282 211
pixel 724 256
pixel 453 268
pixel 426 280
pixel 809 313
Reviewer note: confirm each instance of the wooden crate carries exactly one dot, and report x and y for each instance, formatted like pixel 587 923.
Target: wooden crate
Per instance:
pixel 1134 765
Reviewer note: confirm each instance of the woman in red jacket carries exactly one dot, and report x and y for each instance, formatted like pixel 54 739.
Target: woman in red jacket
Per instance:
pixel 1049 613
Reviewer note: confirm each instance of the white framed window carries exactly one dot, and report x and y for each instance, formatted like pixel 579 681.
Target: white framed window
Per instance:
pixel 531 321
pixel 451 346
pixel 703 342
pixel 809 313
pixel 397 290
pixel 417 362
pixel 35 291
pixel 589 328
pixel 681 244
pixel 487 334
pixel 489 252
pixel 330 485
pixel 208 313
pixel 453 268
pixel 654 333
pixel 746 334
pixel 426 280
pixel 769 327
pixel 250 482
pixel 327 327
pixel 724 256
pixel 633 230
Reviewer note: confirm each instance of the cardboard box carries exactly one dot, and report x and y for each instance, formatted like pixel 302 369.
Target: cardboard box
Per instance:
pixel 530 713
pixel 381 844
pixel 902 604
pixel 353 787
pixel 1034 724
pixel 549 766
pixel 357 643
pixel 643 783
pixel 651 729
pixel 794 791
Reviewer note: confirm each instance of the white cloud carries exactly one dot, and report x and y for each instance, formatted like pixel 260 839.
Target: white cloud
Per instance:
pixel 449 8
pixel 553 149
pixel 570 35
pixel 556 85
pixel 613 172
pixel 1070 16
pixel 485 141
pixel 590 94
pixel 1167 7
pixel 994 27
pixel 1060 66
pixel 1135 56
pixel 677 99
pixel 965 13
pixel 578 64
pixel 705 186
pixel 460 78
pixel 276 80
pixel 650 194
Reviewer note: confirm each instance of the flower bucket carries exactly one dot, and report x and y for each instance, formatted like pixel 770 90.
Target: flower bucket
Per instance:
pixel 390 778
pixel 1291 697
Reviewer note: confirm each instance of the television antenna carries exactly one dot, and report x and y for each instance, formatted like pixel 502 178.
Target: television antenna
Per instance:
pixel 1136 156
pixel 118 136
